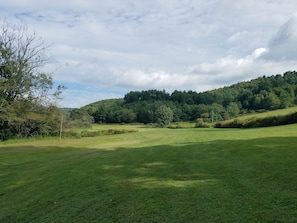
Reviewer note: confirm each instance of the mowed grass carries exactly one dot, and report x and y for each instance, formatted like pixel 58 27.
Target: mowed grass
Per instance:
pixel 153 175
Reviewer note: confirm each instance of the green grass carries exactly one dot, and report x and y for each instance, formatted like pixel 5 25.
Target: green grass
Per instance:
pixel 265 119
pixel 278 112
pixel 153 175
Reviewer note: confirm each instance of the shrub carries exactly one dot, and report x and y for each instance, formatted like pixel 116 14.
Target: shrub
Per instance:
pixel 86 133
pixel 71 134
pixel 201 124
pixel 236 123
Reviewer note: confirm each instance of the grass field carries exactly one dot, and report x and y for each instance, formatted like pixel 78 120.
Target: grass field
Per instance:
pixel 153 175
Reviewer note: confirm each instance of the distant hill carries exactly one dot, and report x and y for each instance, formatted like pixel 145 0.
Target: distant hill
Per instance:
pixel 257 95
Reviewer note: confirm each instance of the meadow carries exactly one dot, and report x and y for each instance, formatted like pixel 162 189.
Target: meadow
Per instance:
pixel 152 175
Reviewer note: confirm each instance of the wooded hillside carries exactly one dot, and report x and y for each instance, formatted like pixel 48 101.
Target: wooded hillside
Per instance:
pixel 261 94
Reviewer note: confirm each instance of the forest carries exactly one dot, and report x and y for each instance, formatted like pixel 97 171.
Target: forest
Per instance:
pixel 154 106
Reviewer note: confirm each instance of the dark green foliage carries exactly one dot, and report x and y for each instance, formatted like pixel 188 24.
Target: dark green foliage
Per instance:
pixel 37 121
pixel 261 94
pixel 79 118
pixel 164 115
pixel 26 96
pixel 5 130
pixel 125 115
pixel 108 111
pixel 135 96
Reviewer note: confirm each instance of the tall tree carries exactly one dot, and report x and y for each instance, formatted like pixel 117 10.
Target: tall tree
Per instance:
pixel 164 115
pixel 25 90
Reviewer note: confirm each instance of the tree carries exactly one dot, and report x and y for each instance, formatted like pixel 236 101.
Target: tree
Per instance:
pixel 232 109
pixel 81 118
pixel 25 91
pixel 164 115
pixel 271 102
pixel 126 115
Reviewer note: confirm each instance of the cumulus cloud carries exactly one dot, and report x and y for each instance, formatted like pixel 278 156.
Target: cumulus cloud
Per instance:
pixel 111 47
pixel 230 70
pixel 199 77
pixel 139 79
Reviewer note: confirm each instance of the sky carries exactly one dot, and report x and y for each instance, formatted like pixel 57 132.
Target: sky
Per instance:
pixel 104 49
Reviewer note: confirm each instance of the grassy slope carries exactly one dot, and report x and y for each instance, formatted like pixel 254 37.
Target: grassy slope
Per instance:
pixel 260 119
pixel 278 112
pixel 154 175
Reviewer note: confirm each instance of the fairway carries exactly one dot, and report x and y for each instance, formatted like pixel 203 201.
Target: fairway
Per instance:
pixel 153 175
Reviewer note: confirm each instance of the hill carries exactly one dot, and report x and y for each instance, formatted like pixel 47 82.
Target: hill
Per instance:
pixel 257 95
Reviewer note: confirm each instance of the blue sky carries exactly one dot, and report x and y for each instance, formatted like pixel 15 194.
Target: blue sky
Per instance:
pixel 104 49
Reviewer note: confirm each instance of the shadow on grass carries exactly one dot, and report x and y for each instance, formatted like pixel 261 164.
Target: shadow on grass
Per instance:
pixel 218 181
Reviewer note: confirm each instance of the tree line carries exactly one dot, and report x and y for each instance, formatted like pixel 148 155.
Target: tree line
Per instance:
pixel 257 95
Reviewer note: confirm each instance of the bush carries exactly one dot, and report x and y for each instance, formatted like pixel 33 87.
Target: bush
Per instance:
pixel 236 123
pixel 71 134
pixel 178 126
pixel 85 133
pixel 201 124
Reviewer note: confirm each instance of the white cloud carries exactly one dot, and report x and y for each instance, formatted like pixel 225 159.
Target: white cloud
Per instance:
pixel 283 46
pixel 230 70
pixel 142 79
pixel 118 46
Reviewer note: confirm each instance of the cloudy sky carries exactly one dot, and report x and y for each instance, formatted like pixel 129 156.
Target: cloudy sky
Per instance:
pixel 104 49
